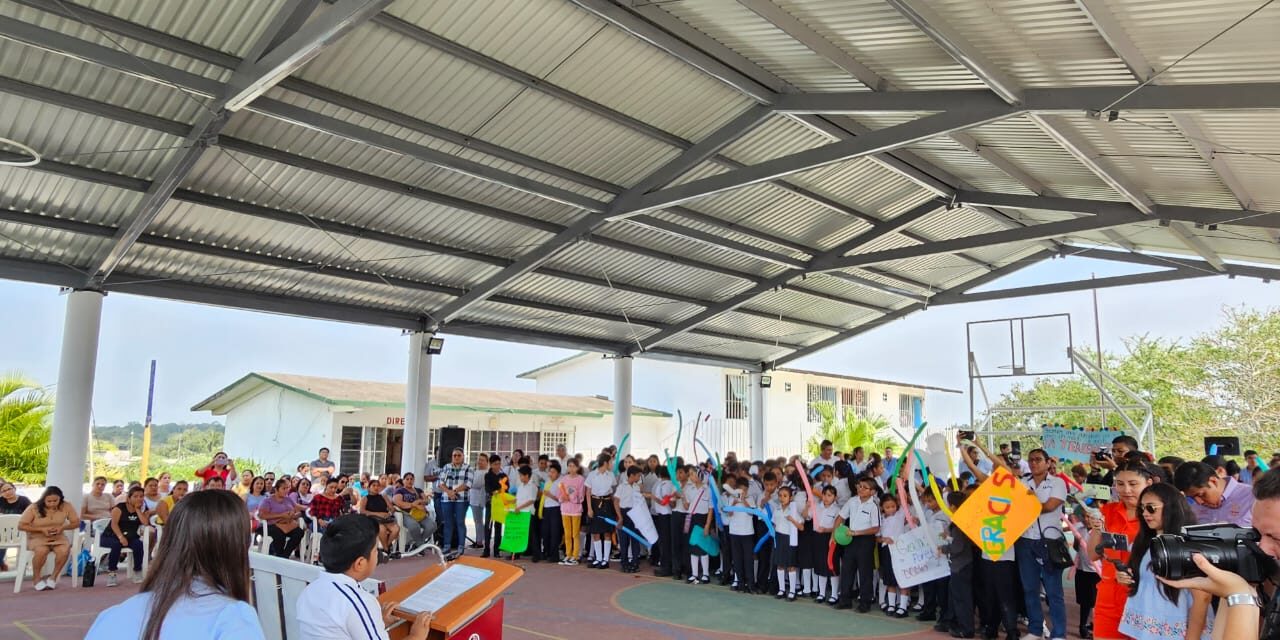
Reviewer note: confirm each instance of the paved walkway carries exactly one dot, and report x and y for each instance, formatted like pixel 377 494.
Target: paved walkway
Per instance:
pixel 550 603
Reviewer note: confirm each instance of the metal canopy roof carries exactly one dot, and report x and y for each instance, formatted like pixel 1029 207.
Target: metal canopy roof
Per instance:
pixel 737 182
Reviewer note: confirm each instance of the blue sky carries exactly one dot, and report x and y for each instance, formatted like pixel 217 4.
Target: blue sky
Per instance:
pixel 201 348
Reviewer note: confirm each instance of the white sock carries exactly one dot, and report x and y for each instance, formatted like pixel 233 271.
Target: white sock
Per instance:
pixel 794 583
pixel 822 588
pixel 782 580
pixel 706 564
pixel 608 546
pixel 596 545
pixel 693 566
pixel 835 581
pixel 807 576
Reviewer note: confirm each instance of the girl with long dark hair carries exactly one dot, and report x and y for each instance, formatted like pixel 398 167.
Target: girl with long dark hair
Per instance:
pixel 1119 517
pixel 1155 611
pixel 198 586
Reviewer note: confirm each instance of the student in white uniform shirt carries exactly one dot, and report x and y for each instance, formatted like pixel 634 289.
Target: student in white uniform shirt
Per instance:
pixel 828 511
pixel 741 534
pixel 862 515
pixel 660 502
pixel 334 607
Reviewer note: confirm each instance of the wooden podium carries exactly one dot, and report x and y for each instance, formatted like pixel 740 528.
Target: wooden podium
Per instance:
pixel 476 614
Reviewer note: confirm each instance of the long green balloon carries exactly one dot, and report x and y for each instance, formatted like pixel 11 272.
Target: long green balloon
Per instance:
pixel 906 452
pixel 617 457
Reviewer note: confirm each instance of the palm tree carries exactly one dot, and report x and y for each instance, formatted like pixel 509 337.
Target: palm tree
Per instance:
pixel 25 411
pixel 853 431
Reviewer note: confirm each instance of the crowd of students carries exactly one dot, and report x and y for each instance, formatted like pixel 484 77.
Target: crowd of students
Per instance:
pixel 1118 594
pixel 757 527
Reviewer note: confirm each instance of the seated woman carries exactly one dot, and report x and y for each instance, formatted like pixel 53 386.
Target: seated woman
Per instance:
pixel 302 496
pixel 170 501
pixel 45 521
pixel 327 506
pixel 280 513
pixel 127 519
pixel 375 506
pixel 198 588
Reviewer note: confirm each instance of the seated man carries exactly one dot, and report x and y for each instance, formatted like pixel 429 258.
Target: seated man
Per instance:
pixel 334 607
pixel 417 507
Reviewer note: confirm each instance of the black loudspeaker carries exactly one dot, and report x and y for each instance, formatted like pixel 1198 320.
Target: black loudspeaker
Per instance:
pixel 1226 446
pixel 451 438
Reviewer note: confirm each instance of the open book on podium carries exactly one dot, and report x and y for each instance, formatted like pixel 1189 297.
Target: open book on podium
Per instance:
pixel 464 594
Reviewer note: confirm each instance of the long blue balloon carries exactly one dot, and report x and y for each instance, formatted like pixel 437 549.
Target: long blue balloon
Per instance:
pixel 715 505
pixel 627 531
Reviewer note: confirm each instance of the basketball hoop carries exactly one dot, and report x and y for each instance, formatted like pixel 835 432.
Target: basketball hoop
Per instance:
pixel 32 160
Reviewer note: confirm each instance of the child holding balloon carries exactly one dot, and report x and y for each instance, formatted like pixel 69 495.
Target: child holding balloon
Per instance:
pixel 828 511
pixel 892 525
pixel 787 524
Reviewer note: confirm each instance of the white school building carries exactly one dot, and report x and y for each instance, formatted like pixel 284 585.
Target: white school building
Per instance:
pixel 278 420
pixel 724 397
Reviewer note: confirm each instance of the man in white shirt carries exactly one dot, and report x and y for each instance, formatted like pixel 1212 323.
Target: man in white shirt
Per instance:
pixel 828 457
pixel 1034 566
pixel 335 607
pixel 562 456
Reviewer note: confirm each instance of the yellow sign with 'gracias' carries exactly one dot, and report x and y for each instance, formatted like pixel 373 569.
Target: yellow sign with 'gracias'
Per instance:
pixel 997 513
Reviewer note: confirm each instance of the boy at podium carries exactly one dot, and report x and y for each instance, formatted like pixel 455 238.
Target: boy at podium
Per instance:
pixel 334 607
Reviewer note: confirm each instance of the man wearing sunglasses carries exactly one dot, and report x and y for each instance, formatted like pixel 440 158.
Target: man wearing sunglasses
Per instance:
pixel 455 479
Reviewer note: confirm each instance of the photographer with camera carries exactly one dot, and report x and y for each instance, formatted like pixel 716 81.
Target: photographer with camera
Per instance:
pixel 1155 611
pixel 1110 538
pixel 1217 499
pixel 1231 563
pixel 1111 458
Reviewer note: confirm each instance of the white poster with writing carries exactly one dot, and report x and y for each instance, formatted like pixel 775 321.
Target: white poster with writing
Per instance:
pixel 917 558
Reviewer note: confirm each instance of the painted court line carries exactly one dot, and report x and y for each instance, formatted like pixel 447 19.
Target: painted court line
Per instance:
pixel 533 633
pixel 27 630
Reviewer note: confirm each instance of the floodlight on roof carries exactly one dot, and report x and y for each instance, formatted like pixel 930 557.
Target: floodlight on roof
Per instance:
pixel 435 345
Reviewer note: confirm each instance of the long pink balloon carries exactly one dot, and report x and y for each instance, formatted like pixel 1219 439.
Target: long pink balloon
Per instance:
pixel 813 502
pixel 902 490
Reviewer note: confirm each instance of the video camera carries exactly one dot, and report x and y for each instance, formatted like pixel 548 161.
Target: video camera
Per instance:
pixel 1227 546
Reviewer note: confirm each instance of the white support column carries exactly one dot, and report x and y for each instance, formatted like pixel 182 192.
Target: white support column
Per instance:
pixel 69 441
pixel 755 414
pixel 417 423
pixel 622 401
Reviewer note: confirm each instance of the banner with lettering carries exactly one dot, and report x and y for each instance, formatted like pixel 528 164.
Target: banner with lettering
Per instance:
pixel 1074 444
pixel 997 513
pixel 917 559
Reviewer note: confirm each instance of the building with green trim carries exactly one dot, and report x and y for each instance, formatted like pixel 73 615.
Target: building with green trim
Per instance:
pixel 279 420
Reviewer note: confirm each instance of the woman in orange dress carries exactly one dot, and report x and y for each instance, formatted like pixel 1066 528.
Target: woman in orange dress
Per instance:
pixel 1119 518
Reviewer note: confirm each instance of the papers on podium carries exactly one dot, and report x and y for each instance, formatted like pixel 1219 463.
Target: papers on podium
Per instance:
pixel 451 583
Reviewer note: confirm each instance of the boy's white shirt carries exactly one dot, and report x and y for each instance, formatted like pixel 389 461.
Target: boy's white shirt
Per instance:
pixel 334 607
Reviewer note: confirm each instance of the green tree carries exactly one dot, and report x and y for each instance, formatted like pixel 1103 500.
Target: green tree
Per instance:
pixel 25 412
pixel 1223 382
pixel 853 431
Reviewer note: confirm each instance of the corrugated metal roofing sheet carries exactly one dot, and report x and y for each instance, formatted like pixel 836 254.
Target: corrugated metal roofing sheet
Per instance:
pixel 1036 42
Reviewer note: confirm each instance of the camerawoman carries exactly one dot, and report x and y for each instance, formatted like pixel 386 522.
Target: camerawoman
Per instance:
pixel 1236 564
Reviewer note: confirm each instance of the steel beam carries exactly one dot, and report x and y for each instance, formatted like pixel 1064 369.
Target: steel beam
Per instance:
pixel 938 29
pixel 248 82
pixel 576 231
pixel 782 280
pixel 1023 234
pixel 1194 215
pixel 805 35
pixel 867 144
pixel 1237 270
pixel 1000 272
pixel 1075 285
pixel 344 273
pixel 1049 100
pixel 1105 22
pixel 176 128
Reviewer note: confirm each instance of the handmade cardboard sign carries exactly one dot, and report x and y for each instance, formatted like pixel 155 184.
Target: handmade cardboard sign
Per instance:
pixel 916 559
pixel 997 513
pixel 1070 445
pixel 515 533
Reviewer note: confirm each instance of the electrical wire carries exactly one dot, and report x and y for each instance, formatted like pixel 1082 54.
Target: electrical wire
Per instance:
pixel 45 254
pixel 1234 150
pixel 33 156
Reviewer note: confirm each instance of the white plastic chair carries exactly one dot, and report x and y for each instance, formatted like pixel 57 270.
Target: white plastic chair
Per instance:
pixel 26 558
pixel 99 553
pixel 263 544
pixel 11 538
pixel 277 584
pixel 402 540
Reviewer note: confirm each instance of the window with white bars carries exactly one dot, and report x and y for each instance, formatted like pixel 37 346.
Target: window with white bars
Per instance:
pixel 854 400
pixel 819 394
pixel 908 405
pixel 735 397
pixel 503 443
